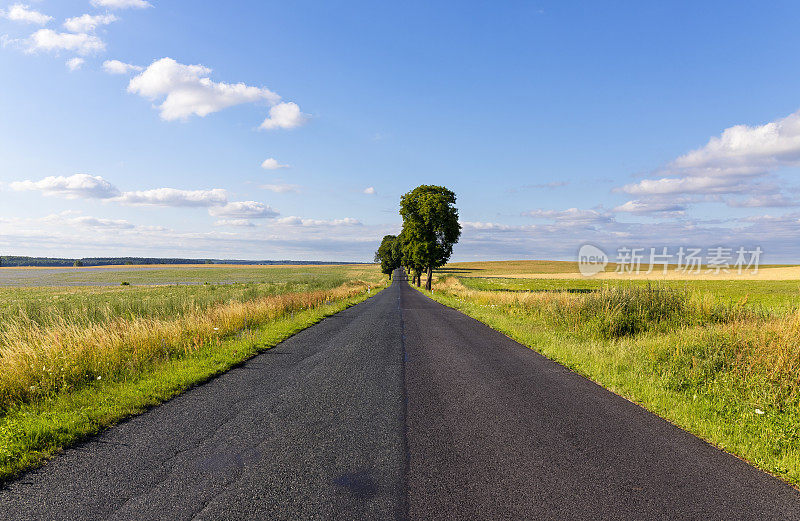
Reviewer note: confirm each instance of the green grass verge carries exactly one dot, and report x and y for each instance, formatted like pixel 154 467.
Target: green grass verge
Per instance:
pixel 683 375
pixel 32 433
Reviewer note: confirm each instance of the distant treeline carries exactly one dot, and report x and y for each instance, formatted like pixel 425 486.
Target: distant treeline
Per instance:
pixel 106 261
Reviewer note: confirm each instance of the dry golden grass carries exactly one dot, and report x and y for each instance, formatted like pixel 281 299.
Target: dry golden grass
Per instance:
pixel 527 299
pixel 37 361
pixel 768 348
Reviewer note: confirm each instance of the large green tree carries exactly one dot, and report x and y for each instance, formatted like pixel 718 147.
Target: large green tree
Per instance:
pixel 389 255
pixel 430 228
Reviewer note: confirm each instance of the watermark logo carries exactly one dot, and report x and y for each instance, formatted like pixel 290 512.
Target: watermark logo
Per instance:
pixel 591 260
pixel 717 260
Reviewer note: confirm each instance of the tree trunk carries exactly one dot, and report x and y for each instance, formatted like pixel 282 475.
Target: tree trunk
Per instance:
pixel 430 276
pixel 419 278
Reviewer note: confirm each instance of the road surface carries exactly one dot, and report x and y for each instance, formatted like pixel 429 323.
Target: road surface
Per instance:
pixel 398 408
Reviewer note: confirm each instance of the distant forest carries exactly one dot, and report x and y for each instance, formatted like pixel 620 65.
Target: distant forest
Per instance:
pixel 106 261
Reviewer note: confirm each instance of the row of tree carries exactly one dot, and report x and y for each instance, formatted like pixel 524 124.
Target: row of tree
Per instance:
pixel 430 229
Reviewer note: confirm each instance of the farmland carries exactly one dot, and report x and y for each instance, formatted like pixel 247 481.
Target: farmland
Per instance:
pixel 719 358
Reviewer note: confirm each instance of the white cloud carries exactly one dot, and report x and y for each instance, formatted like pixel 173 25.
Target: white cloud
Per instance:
pixel 272 164
pixel 234 222
pixel 73 64
pixel 299 221
pixel 281 188
pixel 74 218
pixel 174 197
pixel 284 115
pixel 23 13
pixel 764 201
pixel 370 190
pixel 49 40
pixel 121 4
pixel 83 186
pixel 478 225
pixel 571 216
pixel 745 148
pixel 94 222
pixel 315 241
pixel 644 207
pixel 687 185
pixel 187 90
pixel 731 162
pixel 87 23
pixel 243 210
pixel 118 67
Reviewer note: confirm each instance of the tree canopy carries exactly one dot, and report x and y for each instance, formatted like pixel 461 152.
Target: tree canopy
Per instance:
pixel 389 254
pixel 430 229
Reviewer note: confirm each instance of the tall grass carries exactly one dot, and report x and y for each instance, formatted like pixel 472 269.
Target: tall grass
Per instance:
pixel 49 351
pixel 612 311
pixel 722 368
pixel 98 304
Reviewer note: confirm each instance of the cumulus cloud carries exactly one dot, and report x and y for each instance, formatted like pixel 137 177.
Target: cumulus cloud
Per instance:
pixel 299 221
pixel 78 186
pixel 118 67
pixel 85 186
pixel 243 210
pixel 645 207
pixel 370 190
pixel 730 163
pixel 688 185
pixel 187 90
pixel 174 197
pixel 234 222
pixel 74 64
pixel 284 115
pixel 23 13
pixel 90 222
pixel 80 43
pixel 479 225
pixel 764 201
pixel 272 164
pixel 743 148
pixel 121 4
pixel 571 216
pixel 281 188
pixel 87 23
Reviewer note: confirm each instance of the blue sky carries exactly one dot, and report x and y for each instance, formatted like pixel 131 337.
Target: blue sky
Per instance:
pixel 140 128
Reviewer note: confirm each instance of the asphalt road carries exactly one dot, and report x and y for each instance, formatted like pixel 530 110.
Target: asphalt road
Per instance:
pixel 397 408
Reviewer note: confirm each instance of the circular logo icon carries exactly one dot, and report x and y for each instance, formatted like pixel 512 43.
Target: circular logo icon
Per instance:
pixel 591 260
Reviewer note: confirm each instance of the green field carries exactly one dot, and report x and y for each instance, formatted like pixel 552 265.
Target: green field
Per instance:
pixel 535 268
pixel 161 293
pixel 772 294
pixel 719 358
pixel 76 359
pixel 171 274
